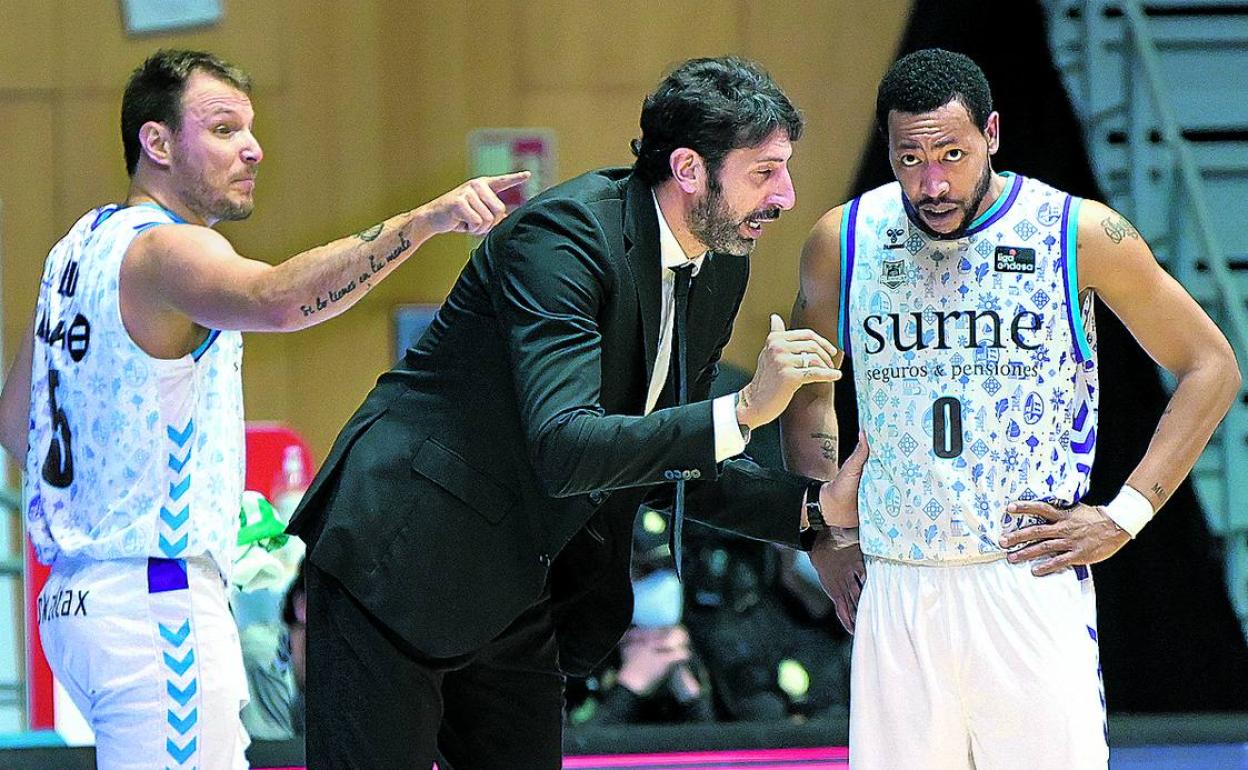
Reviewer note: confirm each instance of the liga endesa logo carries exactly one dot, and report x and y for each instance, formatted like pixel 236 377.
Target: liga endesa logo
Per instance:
pixel 1014 259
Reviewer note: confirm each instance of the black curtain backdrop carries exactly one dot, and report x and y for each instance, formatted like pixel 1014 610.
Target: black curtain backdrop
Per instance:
pixel 1169 638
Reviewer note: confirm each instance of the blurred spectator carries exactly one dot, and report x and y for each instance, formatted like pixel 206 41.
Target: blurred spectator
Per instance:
pixel 654 677
pixel 766 630
pixel 656 681
pixel 768 645
pixel 275 658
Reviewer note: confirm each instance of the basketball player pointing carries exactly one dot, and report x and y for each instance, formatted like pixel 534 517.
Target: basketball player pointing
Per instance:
pixel 126 402
pixel 965 298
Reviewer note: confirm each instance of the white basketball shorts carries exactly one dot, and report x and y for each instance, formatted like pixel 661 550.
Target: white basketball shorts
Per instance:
pixel 981 666
pixel 149 653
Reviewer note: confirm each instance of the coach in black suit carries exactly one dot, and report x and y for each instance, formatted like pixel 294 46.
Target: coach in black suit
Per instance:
pixel 469 534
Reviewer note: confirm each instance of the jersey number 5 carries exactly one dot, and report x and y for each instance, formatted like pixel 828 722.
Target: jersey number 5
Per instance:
pixel 58 466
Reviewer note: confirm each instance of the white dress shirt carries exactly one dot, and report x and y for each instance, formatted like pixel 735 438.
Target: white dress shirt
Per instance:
pixel 728 439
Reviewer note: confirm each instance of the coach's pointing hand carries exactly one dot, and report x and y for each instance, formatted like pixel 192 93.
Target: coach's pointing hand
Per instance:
pixel 789 360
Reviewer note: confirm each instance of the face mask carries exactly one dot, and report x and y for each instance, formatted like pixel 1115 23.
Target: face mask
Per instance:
pixel 658 600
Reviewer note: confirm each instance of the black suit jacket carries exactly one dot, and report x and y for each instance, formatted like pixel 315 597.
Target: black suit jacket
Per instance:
pixel 507 449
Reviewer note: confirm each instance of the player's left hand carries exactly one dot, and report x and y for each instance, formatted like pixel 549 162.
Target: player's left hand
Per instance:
pixel 1079 535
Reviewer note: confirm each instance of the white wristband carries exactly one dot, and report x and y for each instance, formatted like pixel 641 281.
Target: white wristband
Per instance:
pixel 1130 510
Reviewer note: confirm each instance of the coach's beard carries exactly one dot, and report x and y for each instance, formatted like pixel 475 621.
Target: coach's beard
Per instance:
pixel 715 225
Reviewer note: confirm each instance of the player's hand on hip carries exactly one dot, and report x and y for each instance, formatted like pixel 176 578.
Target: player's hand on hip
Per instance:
pixel 839 497
pixel 1074 536
pixel 790 359
pixel 473 207
pixel 842 572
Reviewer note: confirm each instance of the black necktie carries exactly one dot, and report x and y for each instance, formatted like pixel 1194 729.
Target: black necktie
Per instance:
pixel 684 276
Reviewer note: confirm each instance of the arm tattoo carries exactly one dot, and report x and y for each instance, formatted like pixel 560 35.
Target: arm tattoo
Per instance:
pixel 375 265
pixel 1160 491
pixel 1162 419
pixel 371 233
pixel 1119 229
pixel 828 444
pixel 335 295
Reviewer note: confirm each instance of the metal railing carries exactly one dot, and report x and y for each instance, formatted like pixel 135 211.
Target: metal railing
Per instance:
pixel 1165 188
pixel 13 693
pixel 1189 182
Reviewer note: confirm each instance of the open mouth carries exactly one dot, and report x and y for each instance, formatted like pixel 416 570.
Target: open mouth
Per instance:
pixel 754 223
pixel 939 214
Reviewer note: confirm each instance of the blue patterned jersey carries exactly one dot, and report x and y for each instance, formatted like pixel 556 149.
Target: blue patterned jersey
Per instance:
pixel 974 362
pixel 130 455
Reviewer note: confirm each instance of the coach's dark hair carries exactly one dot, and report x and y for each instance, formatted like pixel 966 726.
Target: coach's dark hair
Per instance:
pixel 929 79
pixel 711 106
pixel 154 92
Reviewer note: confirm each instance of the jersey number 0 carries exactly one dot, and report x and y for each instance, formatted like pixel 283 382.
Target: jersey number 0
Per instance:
pixel 947 427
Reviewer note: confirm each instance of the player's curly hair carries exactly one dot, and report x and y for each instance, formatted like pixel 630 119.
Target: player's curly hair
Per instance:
pixel 929 79
pixel 711 106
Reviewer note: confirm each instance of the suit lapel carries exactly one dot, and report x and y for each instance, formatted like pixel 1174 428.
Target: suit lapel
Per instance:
pixel 641 241
pixel 714 294
pixel 702 291
pixel 713 300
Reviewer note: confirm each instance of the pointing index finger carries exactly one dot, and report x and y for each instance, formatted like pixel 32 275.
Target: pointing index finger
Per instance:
pixel 507 181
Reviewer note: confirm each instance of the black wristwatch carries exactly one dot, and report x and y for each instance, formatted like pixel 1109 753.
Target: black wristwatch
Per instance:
pixel 814 509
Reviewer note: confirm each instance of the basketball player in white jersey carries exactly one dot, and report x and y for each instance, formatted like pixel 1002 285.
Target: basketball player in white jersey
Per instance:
pixel 126 402
pixel 964 297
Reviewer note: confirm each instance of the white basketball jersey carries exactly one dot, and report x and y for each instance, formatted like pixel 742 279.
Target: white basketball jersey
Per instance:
pixel 130 456
pixel 975 368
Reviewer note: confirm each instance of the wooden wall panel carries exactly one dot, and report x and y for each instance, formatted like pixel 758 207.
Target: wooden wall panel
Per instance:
pixel 609 46
pixel 94 47
pixel 495 61
pixel 268 374
pixel 592 129
pixel 30 55
pixel 429 90
pixel 363 110
pixel 829 59
pixel 90 164
pixel 30 223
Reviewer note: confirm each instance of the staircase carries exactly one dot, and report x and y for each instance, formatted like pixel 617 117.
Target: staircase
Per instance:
pixel 1162 91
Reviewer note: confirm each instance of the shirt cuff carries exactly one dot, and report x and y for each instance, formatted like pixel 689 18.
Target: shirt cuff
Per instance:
pixel 728 439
